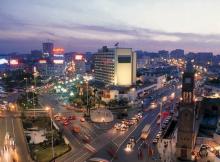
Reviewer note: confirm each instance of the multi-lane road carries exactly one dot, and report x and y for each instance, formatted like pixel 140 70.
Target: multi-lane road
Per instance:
pixel 97 147
pixel 150 117
pixel 11 124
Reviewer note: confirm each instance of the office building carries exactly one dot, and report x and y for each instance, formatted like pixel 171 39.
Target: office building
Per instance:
pixel 115 66
pixel 48 48
pixel 79 62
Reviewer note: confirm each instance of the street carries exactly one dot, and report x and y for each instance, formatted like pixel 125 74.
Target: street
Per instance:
pixel 11 124
pixel 97 147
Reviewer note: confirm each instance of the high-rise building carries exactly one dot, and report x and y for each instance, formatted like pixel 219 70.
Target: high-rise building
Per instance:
pixel 48 48
pixel 187 114
pixel 79 62
pixel 163 53
pixel 115 66
pixel 177 53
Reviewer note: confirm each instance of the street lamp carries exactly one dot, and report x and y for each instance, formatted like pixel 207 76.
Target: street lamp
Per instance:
pixel 87 97
pixel 26 88
pixel 50 111
pixel 33 92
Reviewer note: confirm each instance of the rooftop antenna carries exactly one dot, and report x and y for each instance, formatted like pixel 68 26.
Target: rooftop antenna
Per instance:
pixel 116 44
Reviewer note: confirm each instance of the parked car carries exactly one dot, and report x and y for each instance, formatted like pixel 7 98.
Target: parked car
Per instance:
pixel 82 119
pixel 203 151
pixel 155 141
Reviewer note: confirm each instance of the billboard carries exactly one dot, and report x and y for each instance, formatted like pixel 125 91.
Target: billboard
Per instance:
pixel 58 51
pixel 3 61
pixel 42 61
pixel 78 57
pixel 13 62
pixel 58 61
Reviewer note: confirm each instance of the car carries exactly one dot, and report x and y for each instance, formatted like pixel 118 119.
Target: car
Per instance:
pixel 158 116
pixel 157 136
pixel 140 114
pixel 165 145
pixel 134 119
pixel 76 129
pixel 86 139
pixel 128 147
pixel 126 122
pixel 118 126
pixel 155 141
pixel 132 140
pixel 57 119
pixel 73 117
pixel 131 122
pixel 66 123
pixel 160 132
pixel 158 122
pixel 122 128
pixel 82 119
pixel 66 120
pixel 203 151
pixel 167 119
pixel 166 122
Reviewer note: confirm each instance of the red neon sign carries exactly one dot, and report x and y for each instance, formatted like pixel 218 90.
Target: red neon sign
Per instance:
pixel 58 51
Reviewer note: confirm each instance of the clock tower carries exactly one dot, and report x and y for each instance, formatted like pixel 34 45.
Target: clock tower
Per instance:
pixel 186 121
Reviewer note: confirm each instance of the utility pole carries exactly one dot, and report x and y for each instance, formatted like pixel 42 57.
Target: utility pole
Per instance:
pixel 26 89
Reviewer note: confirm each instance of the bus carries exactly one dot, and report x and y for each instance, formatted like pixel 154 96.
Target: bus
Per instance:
pixel 145 132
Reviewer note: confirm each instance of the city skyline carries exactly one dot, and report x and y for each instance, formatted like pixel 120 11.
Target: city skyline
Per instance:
pixel 77 26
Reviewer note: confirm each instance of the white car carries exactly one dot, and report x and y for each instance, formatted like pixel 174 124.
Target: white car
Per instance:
pixel 155 141
pixel 157 136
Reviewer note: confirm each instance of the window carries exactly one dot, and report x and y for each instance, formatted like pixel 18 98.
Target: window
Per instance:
pixel 124 59
pixel 187 80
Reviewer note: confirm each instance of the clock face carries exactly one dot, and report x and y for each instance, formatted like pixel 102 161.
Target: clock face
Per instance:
pixel 187 80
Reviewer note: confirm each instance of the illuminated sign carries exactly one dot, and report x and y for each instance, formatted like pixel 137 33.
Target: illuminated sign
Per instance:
pixel 58 51
pixel 78 57
pixel 42 61
pixel 58 61
pixel 13 62
pixel 3 61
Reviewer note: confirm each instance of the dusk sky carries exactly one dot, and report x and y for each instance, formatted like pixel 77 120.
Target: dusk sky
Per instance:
pixel 86 25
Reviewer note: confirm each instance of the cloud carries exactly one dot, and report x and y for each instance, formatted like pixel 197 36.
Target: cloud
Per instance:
pixel 79 26
pixel 165 38
pixel 80 37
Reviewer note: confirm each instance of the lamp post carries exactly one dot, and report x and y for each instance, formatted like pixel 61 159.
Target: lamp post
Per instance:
pixel 50 111
pixel 26 88
pixel 33 99
pixel 87 97
pixel 35 74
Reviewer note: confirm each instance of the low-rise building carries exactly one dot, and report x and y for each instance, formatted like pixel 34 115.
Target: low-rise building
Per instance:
pixel 129 93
